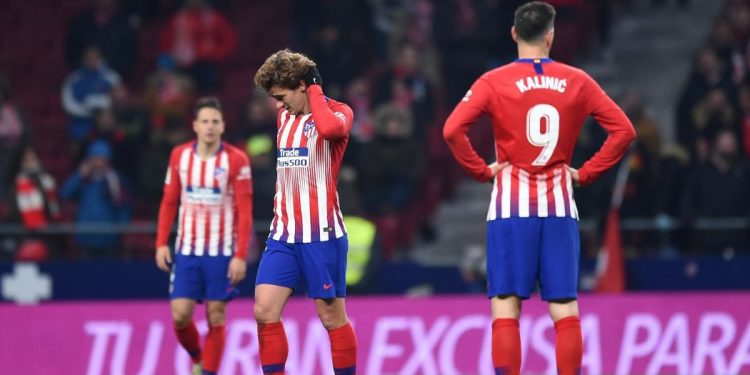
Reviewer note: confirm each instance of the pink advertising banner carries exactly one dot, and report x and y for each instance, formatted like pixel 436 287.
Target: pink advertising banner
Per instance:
pixel 629 334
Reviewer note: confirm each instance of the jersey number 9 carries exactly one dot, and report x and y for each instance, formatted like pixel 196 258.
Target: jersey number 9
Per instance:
pixel 535 135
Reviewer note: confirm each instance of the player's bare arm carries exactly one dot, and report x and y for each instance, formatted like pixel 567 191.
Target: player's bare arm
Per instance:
pixel 163 258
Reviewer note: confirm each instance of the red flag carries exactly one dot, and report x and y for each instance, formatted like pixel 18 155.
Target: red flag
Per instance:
pixel 611 263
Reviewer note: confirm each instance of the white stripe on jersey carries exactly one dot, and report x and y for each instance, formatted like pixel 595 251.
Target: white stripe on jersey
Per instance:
pixel 322 190
pixel 573 208
pixel 557 193
pixel 337 226
pixel 210 213
pixel 276 223
pixel 302 175
pixel 228 242
pixel 541 196
pixel 523 193
pixel 292 174
pixel 286 122
pixel 506 186
pixel 180 230
pixel 187 217
pixel 492 212
pixel 199 221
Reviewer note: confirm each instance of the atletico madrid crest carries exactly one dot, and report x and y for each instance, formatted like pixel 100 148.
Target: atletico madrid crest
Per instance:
pixel 309 128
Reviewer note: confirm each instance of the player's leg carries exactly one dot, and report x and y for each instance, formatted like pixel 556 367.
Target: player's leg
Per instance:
pixel 218 292
pixel 512 259
pixel 324 270
pixel 278 274
pixel 213 346
pixel 559 286
pixel 185 289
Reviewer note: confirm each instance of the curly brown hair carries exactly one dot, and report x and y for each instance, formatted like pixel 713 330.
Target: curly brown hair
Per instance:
pixel 283 68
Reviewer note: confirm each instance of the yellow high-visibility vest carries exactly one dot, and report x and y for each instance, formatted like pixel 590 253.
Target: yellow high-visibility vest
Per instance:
pixel 361 235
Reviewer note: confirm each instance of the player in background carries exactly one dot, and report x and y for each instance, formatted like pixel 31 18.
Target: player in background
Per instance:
pixel 308 238
pixel 537 107
pixel 211 183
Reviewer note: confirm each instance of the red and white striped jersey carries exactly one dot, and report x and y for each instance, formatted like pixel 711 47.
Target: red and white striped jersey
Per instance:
pixel 537 108
pixel 215 202
pixel 517 193
pixel 309 152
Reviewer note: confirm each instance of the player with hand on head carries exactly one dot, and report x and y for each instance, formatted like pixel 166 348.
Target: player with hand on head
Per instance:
pixel 308 238
pixel 210 182
pixel 537 107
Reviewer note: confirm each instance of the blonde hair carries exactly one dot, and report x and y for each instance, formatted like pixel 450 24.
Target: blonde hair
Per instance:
pixel 283 68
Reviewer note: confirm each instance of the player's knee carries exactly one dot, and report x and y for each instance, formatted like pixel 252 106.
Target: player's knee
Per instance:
pixel 331 318
pixel 265 313
pixel 216 317
pixel 181 318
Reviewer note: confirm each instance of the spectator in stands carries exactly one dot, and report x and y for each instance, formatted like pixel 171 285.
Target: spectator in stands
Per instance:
pixel 333 52
pixel 709 73
pixel 744 124
pixel 124 150
pixel 103 25
pixel 718 188
pixel 643 177
pixel 14 137
pixel 199 37
pixel 389 184
pixel 85 90
pixel 103 197
pixel 407 85
pixel 169 93
pixel 710 115
pixel 260 148
pixel 465 35
pixel 35 193
pixel 337 36
pixel 722 40
pixel 130 115
pixel 155 157
pixel 258 117
pixel 359 98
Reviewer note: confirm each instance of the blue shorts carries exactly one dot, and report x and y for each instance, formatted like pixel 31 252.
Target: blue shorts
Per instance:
pixel 321 264
pixel 521 251
pixel 201 278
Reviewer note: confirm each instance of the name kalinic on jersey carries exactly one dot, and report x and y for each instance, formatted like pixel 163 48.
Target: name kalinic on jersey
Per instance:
pixel 306 204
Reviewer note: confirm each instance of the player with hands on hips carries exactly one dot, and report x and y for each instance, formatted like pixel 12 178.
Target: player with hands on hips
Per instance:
pixel 537 107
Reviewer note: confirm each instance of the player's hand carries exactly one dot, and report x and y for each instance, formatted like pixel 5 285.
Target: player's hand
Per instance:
pixel 497 167
pixel 313 77
pixel 574 176
pixel 163 258
pixel 237 269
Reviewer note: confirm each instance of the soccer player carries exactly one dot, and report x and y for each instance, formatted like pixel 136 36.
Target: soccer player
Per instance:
pixel 537 107
pixel 308 238
pixel 210 181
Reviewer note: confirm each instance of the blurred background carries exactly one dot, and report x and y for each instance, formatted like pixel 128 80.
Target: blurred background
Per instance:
pixel 95 93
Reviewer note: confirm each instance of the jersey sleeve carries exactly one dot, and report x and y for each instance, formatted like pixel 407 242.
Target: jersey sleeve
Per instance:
pixel 169 202
pixel 615 122
pixel 243 196
pixel 476 102
pixel 330 123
